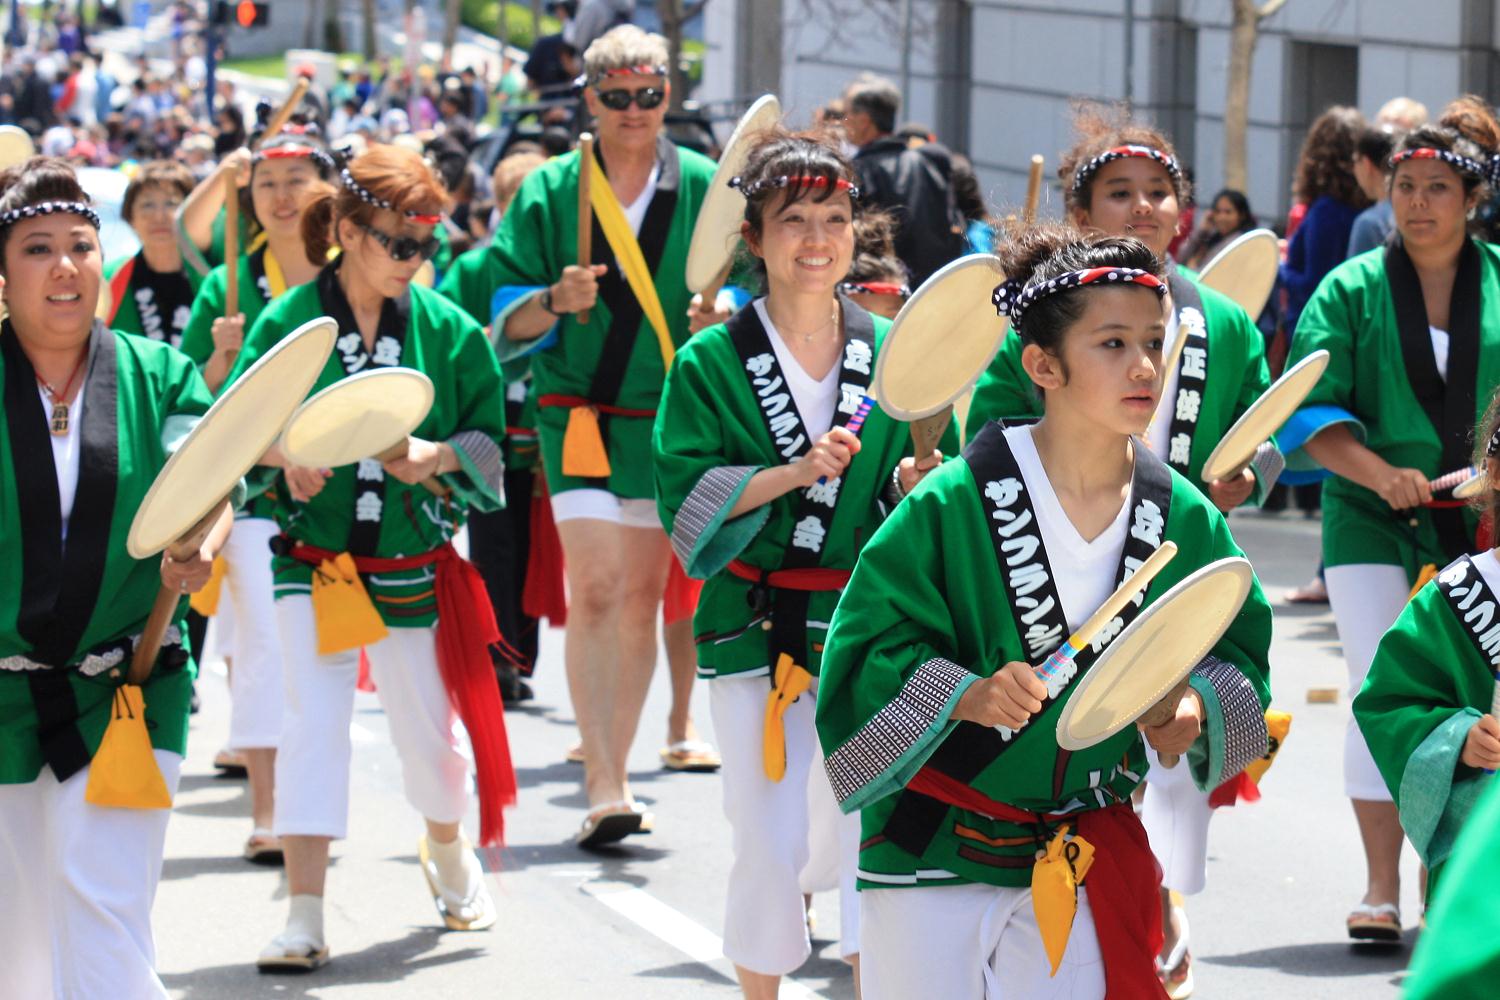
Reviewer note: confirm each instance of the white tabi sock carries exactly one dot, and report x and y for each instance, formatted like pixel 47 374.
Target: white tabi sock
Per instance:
pixel 458 870
pixel 306 917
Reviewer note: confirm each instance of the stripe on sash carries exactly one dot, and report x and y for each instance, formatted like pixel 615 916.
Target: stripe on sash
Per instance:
pixel 1474 605
pixel 789 438
pixel 1192 371
pixel 369 474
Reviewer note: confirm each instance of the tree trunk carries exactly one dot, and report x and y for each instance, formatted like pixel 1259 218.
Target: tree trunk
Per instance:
pixel 1243 34
pixel 368 8
pixel 333 28
pixel 670 12
pixel 536 20
pixel 310 26
pixel 450 30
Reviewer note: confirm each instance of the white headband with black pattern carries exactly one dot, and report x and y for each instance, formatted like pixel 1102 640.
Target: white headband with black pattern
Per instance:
pixel 370 198
pixel 50 208
pixel 1487 171
pixel 1126 152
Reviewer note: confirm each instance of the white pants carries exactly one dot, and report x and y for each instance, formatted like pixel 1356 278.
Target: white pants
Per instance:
pixel 255 686
pixel 76 886
pixel 765 929
pixel 312 764
pixel 1176 816
pixel 1367 598
pixel 971 942
pixel 602 505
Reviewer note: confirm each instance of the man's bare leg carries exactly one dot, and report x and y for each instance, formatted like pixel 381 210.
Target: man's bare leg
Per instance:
pixel 645 553
pixel 682 661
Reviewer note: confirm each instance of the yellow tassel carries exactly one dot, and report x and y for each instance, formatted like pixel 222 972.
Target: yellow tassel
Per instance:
pixel 123 774
pixel 1054 891
pixel 792 682
pixel 1428 572
pixel 1278 724
pixel 584 455
pixel 345 616
pixel 206 601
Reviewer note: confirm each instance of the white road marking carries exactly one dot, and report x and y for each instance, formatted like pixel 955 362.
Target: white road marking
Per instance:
pixel 678 930
pixel 359 734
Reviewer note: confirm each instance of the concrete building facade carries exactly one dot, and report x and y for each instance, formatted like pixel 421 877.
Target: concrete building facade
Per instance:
pixel 995 78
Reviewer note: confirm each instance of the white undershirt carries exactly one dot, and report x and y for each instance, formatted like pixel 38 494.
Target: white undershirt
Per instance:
pixel 66 451
pixel 815 398
pixel 1084 572
pixel 1489 568
pixel 1439 350
pixel 1159 434
pixel 635 212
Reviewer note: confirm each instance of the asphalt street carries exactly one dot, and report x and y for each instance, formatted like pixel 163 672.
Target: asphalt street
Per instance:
pixel 644 921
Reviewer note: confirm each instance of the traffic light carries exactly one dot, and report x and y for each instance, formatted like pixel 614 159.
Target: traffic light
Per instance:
pixel 247 14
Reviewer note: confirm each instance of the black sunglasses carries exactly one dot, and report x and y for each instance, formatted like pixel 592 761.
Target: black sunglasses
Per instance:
pixel 404 247
pixel 646 98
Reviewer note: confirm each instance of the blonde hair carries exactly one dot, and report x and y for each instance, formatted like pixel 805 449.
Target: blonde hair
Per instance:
pixel 622 48
pixel 510 172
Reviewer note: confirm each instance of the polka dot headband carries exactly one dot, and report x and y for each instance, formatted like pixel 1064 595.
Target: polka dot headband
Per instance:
pixel 1088 170
pixel 50 208
pixel 1493 450
pixel 756 187
pixel 1012 299
pixel 1488 173
pixel 369 197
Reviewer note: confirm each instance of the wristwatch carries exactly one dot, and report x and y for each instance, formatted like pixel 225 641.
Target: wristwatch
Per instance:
pixel 546 301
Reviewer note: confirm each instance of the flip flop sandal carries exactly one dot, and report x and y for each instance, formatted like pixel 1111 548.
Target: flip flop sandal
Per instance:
pixel 292 952
pixel 231 763
pixel 648 818
pixel 609 824
pixel 691 756
pixel 1376 923
pixel 1176 973
pixel 574 754
pixel 264 848
pixel 459 914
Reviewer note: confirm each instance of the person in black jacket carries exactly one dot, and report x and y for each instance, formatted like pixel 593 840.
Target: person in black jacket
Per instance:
pixel 913 182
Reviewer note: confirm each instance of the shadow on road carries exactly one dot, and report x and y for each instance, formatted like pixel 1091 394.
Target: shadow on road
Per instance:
pixel 1322 959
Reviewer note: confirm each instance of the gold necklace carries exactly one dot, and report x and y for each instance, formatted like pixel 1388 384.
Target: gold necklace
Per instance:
pixel 832 319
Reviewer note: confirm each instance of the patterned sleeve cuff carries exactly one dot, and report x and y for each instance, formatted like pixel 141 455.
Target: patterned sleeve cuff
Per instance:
pixel 888 750
pixel 1435 797
pixel 480 459
pixel 703 536
pixel 1266 466
pixel 893 494
pixel 1234 732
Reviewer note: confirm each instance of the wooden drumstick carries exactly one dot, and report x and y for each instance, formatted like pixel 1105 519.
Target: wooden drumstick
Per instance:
pixel 231 250
pixel 585 207
pixel 162 611
pixel 928 431
pixel 1033 190
pixel 284 112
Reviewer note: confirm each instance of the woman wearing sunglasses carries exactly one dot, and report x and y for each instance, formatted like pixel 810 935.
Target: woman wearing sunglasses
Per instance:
pixel 428 651
pixel 599 381
pixel 276 182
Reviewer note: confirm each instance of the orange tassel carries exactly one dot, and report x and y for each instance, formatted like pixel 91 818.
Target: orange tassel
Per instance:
pixel 584 455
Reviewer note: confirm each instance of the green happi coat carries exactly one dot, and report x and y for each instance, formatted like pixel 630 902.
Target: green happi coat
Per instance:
pixel 198 338
pixel 1429 683
pixel 1383 378
pixel 471 283
pixel 536 240
pixel 130 293
pixel 1236 376
pixel 468 412
pixel 1457 956
pixel 710 439
pixel 927 613
pixel 59 606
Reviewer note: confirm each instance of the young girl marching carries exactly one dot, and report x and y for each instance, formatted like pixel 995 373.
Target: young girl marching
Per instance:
pixel 953 601
pixel 768 486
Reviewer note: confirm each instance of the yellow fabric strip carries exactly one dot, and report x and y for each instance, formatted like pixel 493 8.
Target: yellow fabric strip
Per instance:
pixel 274 277
pixel 627 251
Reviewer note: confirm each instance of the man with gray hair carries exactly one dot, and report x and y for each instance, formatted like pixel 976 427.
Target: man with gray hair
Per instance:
pixel 915 184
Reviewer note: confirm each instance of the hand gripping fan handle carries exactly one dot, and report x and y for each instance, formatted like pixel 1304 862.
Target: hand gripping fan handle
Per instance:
pixel 1163 712
pixel 398 450
pixel 585 207
pixel 928 431
pixel 162 610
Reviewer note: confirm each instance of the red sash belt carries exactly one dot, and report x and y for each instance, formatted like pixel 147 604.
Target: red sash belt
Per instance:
pixel 465 630
pixel 554 399
pixel 1124 883
pixel 813 578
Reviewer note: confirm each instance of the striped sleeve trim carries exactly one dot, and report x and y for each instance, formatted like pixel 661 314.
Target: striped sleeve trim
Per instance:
pixel 483 455
pixel 706 508
pixel 1236 724
pixel 886 751
pixel 1268 464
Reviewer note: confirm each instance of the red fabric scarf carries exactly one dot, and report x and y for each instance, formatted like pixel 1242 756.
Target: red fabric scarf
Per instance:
pixel 465 630
pixel 1124 883
pixel 544 594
